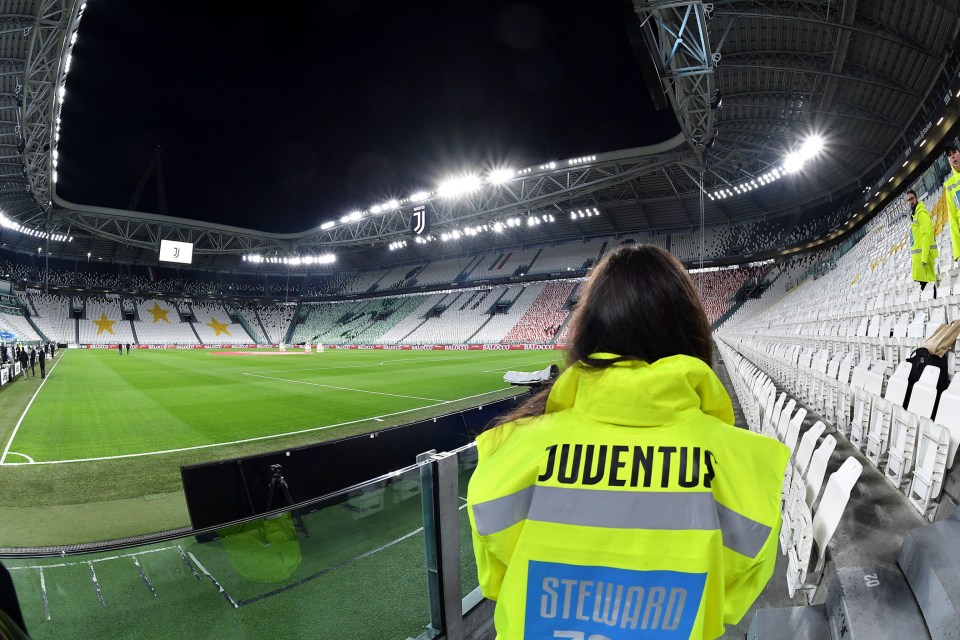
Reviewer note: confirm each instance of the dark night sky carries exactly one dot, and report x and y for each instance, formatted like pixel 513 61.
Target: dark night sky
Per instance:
pixel 286 116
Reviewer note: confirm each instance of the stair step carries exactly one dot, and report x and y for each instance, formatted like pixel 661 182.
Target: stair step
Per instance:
pixel 790 623
pixel 930 561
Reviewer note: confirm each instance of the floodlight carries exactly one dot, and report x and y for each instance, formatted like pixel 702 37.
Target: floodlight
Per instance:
pixel 344 219
pixel 454 187
pixel 327 225
pixel 792 163
pixel 375 209
pixel 391 205
pixel 419 196
pixel 499 176
pixel 811 147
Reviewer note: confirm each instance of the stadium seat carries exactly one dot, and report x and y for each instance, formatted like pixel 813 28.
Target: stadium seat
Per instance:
pixel 824 523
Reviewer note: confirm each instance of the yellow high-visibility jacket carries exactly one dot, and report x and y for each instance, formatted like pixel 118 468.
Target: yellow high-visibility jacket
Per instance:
pixel 632 508
pixel 951 191
pixel 923 246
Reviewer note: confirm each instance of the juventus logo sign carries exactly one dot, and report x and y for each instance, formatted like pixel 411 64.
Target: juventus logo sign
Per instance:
pixel 419 225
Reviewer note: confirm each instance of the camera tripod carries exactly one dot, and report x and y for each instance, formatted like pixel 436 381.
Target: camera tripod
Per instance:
pixel 276 480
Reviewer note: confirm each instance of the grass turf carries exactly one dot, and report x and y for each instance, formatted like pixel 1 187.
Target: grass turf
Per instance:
pixel 195 406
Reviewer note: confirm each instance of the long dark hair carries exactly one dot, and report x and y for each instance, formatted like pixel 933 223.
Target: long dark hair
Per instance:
pixel 640 304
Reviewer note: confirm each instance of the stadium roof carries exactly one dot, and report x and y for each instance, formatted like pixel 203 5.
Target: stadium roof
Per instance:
pixel 749 81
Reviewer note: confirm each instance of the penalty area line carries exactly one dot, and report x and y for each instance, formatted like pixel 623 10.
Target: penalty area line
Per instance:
pixel 330 386
pixel 29 404
pixel 271 436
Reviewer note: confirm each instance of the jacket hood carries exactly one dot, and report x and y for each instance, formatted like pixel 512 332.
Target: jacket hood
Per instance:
pixel 637 393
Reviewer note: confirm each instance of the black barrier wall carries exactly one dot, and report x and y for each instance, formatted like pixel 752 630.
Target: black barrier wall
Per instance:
pixel 220 492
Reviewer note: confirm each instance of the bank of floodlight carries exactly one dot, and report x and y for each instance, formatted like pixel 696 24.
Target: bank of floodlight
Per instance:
pixel 8 223
pixel 458 186
pixel 419 196
pixel 748 185
pixel 499 176
pixel 584 213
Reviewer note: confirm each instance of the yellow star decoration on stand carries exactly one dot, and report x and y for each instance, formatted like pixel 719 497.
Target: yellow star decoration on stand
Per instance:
pixel 159 313
pixel 219 327
pixel 104 324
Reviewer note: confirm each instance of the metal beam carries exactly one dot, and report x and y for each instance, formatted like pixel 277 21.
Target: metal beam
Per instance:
pixel 677 37
pixel 880 31
pixel 812 64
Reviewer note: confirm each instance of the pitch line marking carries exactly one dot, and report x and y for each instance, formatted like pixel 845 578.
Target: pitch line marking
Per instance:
pixel 187 562
pixel 144 576
pixel 74 564
pixel 24 414
pixel 385 362
pixel 271 436
pixel 22 455
pixel 96 584
pixel 43 591
pixel 219 587
pixel 330 386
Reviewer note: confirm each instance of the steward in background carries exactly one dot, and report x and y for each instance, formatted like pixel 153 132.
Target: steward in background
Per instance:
pixel 923 246
pixel 622 502
pixel 24 361
pixel 951 191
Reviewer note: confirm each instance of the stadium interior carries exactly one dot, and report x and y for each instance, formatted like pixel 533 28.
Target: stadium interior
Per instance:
pixel 803 124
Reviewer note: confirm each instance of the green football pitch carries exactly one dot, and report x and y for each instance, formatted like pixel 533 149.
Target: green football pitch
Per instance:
pixel 94 451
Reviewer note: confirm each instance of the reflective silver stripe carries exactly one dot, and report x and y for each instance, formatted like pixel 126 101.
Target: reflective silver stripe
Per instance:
pixel 916 251
pixel 670 511
pixel 501 513
pixel 933 246
pixel 740 533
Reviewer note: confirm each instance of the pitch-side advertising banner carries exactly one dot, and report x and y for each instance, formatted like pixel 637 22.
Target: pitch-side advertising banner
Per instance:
pixel 385 347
